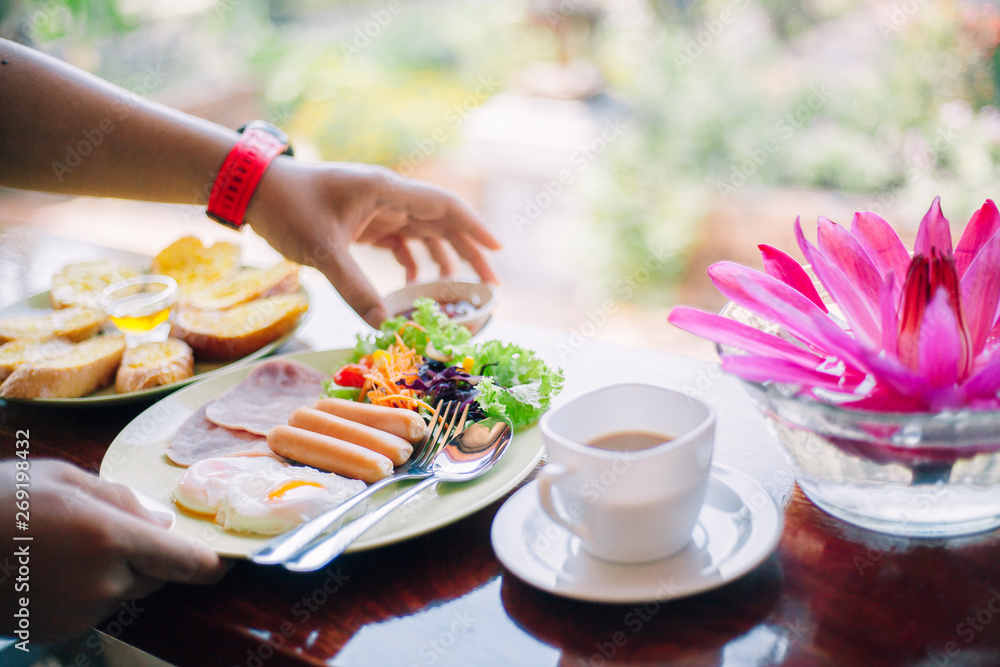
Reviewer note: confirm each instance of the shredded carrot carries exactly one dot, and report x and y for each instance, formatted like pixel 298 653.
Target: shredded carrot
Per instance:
pixel 398 362
pixel 409 323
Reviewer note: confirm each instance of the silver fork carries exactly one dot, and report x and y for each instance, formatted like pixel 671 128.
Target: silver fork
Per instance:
pixel 441 430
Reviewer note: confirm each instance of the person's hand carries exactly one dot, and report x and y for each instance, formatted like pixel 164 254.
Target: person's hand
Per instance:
pixel 94 546
pixel 312 212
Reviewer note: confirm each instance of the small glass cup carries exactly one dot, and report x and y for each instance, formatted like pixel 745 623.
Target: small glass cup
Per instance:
pixel 140 307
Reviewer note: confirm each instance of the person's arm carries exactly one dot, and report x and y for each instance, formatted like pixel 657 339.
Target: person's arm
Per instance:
pixel 66 131
pixel 93 547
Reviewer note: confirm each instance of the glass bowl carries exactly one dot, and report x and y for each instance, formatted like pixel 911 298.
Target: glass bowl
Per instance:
pixel 466 302
pixel 140 307
pixel 909 474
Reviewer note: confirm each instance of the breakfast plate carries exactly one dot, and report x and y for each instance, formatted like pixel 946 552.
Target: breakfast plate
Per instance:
pixel 738 527
pixel 136 458
pixel 39 304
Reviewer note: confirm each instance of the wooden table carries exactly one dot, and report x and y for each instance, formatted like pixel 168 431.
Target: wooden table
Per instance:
pixel 831 594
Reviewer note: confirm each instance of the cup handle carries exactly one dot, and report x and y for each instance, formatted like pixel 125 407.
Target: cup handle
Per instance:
pixel 546 477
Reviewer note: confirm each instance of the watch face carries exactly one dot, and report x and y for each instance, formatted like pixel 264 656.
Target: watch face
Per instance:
pixel 264 126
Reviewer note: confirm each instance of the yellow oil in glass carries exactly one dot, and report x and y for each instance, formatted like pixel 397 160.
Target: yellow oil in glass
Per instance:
pixel 142 323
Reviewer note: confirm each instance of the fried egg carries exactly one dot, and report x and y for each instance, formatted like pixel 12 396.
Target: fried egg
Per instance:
pixel 257 494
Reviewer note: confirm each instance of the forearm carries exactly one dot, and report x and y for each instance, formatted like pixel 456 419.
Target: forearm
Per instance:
pixel 63 130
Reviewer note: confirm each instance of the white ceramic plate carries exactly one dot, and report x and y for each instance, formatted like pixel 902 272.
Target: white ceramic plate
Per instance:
pixel 39 305
pixel 136 458
pixel 737 529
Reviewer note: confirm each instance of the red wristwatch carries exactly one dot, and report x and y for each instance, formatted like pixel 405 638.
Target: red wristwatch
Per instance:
pixel 242 170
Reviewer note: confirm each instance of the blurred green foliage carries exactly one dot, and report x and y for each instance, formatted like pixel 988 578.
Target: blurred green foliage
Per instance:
pixel 737 94
pixel 47 20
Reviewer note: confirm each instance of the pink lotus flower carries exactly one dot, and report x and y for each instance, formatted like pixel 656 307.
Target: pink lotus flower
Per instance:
pixel 912 335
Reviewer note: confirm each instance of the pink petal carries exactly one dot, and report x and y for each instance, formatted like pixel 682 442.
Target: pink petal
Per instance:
pixel 862 315
pixel 781 265
pixel 939 346
pixel 983 226
pixel 843 251
pixel 725 331
pixel 776 302
pixel 934 232
pixel 883 246
pixel 981 293
pixel 890 318
pixel 985 382
pixel 764 369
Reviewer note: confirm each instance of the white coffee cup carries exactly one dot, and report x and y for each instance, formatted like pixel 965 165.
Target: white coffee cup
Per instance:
pixel 628 506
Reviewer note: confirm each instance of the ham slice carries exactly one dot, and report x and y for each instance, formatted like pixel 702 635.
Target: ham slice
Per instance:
pixel 199 439
pixel 267 396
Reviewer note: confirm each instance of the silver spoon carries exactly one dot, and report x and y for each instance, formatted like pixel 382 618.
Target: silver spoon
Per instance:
pixel 467 456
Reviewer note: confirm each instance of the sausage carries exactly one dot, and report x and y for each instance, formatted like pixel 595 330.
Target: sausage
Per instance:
pixel 398 421
pixel 396 448
pixel 322 451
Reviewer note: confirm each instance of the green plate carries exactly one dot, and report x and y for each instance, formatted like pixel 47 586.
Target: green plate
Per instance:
pixel 39 305
pixel 136 458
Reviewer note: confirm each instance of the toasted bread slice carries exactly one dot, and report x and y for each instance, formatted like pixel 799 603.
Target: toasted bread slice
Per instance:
pixel 79 284
pixel 195 266
pixel 247 285
pixel 86 367
pixel 27 351
pixel 227 334
pixel 154 364
pixel 75 323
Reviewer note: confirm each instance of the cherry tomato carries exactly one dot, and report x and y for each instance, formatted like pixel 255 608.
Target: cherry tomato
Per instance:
pixel 351 375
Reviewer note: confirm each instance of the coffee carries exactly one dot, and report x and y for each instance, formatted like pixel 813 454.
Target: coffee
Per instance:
pixel 629 441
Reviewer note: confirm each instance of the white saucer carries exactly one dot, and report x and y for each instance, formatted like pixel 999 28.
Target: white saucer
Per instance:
pixel 737 529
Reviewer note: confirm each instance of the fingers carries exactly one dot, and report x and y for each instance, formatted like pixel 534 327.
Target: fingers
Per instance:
pixel 427 203
pixel 110 492
pixel 441 256
pixel 402 253
pixel 439 219
pixel 153 552
pixel 346 277
pixel 158 554
pixel 474 256
pixel 471 224
pixel 140 586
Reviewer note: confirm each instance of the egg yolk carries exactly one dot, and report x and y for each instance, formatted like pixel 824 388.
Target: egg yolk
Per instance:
pixel 279 491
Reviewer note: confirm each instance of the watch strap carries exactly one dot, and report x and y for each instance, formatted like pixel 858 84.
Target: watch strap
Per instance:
pixel 242 170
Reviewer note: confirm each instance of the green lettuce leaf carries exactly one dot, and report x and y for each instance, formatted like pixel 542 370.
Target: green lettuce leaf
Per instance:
pixel 516 385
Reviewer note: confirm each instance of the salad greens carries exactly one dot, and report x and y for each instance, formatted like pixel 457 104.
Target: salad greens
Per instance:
pixel 497 379
pixel 516 384
pixel 438 328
